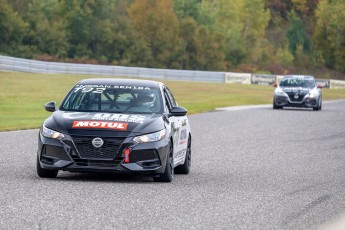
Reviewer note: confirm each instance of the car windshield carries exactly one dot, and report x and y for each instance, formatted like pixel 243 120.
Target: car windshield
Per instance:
pixel 298 82
pixel 113 99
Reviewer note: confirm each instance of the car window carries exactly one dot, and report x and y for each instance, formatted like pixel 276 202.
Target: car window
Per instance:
pixel 298 82
pixel 113 99
pixel 171 98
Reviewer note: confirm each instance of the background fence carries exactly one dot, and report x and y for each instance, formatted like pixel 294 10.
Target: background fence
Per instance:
pixel 33 66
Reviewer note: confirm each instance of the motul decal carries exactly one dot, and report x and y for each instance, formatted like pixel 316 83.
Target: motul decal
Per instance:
pixel 100 125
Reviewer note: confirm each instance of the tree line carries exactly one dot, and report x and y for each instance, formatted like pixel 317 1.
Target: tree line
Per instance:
pixel 270 36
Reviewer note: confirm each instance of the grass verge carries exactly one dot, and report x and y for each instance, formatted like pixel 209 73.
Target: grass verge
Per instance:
pixel 23 95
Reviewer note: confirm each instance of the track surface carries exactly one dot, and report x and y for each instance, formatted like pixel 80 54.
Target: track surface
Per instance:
pixel 252 169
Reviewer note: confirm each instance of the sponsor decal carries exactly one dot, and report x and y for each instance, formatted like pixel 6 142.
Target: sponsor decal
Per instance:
pixel 238 78
pixel 296 90
pixel 263 79
pixel 119 117
pixel 75 115
pixel 183 137
pixel 101 88
pixel 180 157
pixel 100 125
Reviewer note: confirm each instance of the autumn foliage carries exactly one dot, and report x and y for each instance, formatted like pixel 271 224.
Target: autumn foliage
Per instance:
pixel 269 36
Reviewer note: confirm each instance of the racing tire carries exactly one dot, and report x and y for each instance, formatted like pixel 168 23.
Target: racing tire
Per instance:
pixel 185 168
pixel 276 106
pixel 168 174
pixel 319 106
pixel 45 173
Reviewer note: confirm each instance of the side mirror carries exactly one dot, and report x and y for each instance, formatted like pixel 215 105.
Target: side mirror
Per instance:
pixel 275 85
pixel 178 112
pixel 50 106
pixel 320 86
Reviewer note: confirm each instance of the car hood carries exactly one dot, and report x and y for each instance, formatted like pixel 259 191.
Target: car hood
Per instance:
pixel 104 124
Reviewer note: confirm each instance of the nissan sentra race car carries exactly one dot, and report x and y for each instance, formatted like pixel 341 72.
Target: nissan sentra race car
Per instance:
pixel 297 91
pixel 114 125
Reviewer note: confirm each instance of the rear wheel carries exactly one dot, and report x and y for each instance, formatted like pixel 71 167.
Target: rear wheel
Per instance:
pixel 168 174
pixel 45 173
pixel 185 168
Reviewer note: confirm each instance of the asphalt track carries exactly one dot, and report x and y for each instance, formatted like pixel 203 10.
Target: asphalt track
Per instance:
pixel 254 168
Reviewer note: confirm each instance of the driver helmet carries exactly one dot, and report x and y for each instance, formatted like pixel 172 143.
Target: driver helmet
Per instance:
pixel 146 100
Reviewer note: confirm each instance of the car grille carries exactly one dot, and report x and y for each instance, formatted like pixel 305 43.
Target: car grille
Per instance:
pixel 292 97
pixel 97 163
pixel 87 151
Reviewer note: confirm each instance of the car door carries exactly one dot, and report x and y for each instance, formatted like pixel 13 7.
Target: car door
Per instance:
pixel 180 127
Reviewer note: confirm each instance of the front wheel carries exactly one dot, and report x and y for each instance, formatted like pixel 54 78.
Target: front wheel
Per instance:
pixel 168 174
pixel 185 168
pixel 319 106
pixel 45 173
pixel 276 106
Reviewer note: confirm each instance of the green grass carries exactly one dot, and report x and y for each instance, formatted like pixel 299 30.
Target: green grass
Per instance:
pixel 23 95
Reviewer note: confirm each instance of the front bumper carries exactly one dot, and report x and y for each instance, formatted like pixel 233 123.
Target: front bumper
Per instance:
pixel 306 102
pixel 69 155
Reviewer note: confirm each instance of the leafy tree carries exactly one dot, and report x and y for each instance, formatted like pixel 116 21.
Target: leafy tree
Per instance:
pixel 156 29
pixel 12 31
pixel 87 26
pixel 284 57
pixel 242 23
pixel 187 8
pixel 19 6
pixel 209 46
pixel 278 8
pixel 182 34
pixel 189 34
pixel 297 35
pixel 329 34
pixel 47 29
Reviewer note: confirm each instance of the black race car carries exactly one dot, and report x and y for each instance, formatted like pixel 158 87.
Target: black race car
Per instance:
pixel 116 125
pixel 297 91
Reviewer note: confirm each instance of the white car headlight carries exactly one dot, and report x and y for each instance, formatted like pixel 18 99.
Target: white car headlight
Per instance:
pixel 157 136
pixel 313 94
pixel 51 133
pixel 280 92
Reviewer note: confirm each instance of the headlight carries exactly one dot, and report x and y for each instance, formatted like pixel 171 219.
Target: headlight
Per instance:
pixel 280 92
pixel 51 133
pixel 313 94
pixel 157 136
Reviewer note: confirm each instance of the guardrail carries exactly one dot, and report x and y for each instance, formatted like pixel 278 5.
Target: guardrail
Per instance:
pixel 33 66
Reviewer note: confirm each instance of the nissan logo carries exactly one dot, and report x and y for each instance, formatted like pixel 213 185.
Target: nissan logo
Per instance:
pixel 97 142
